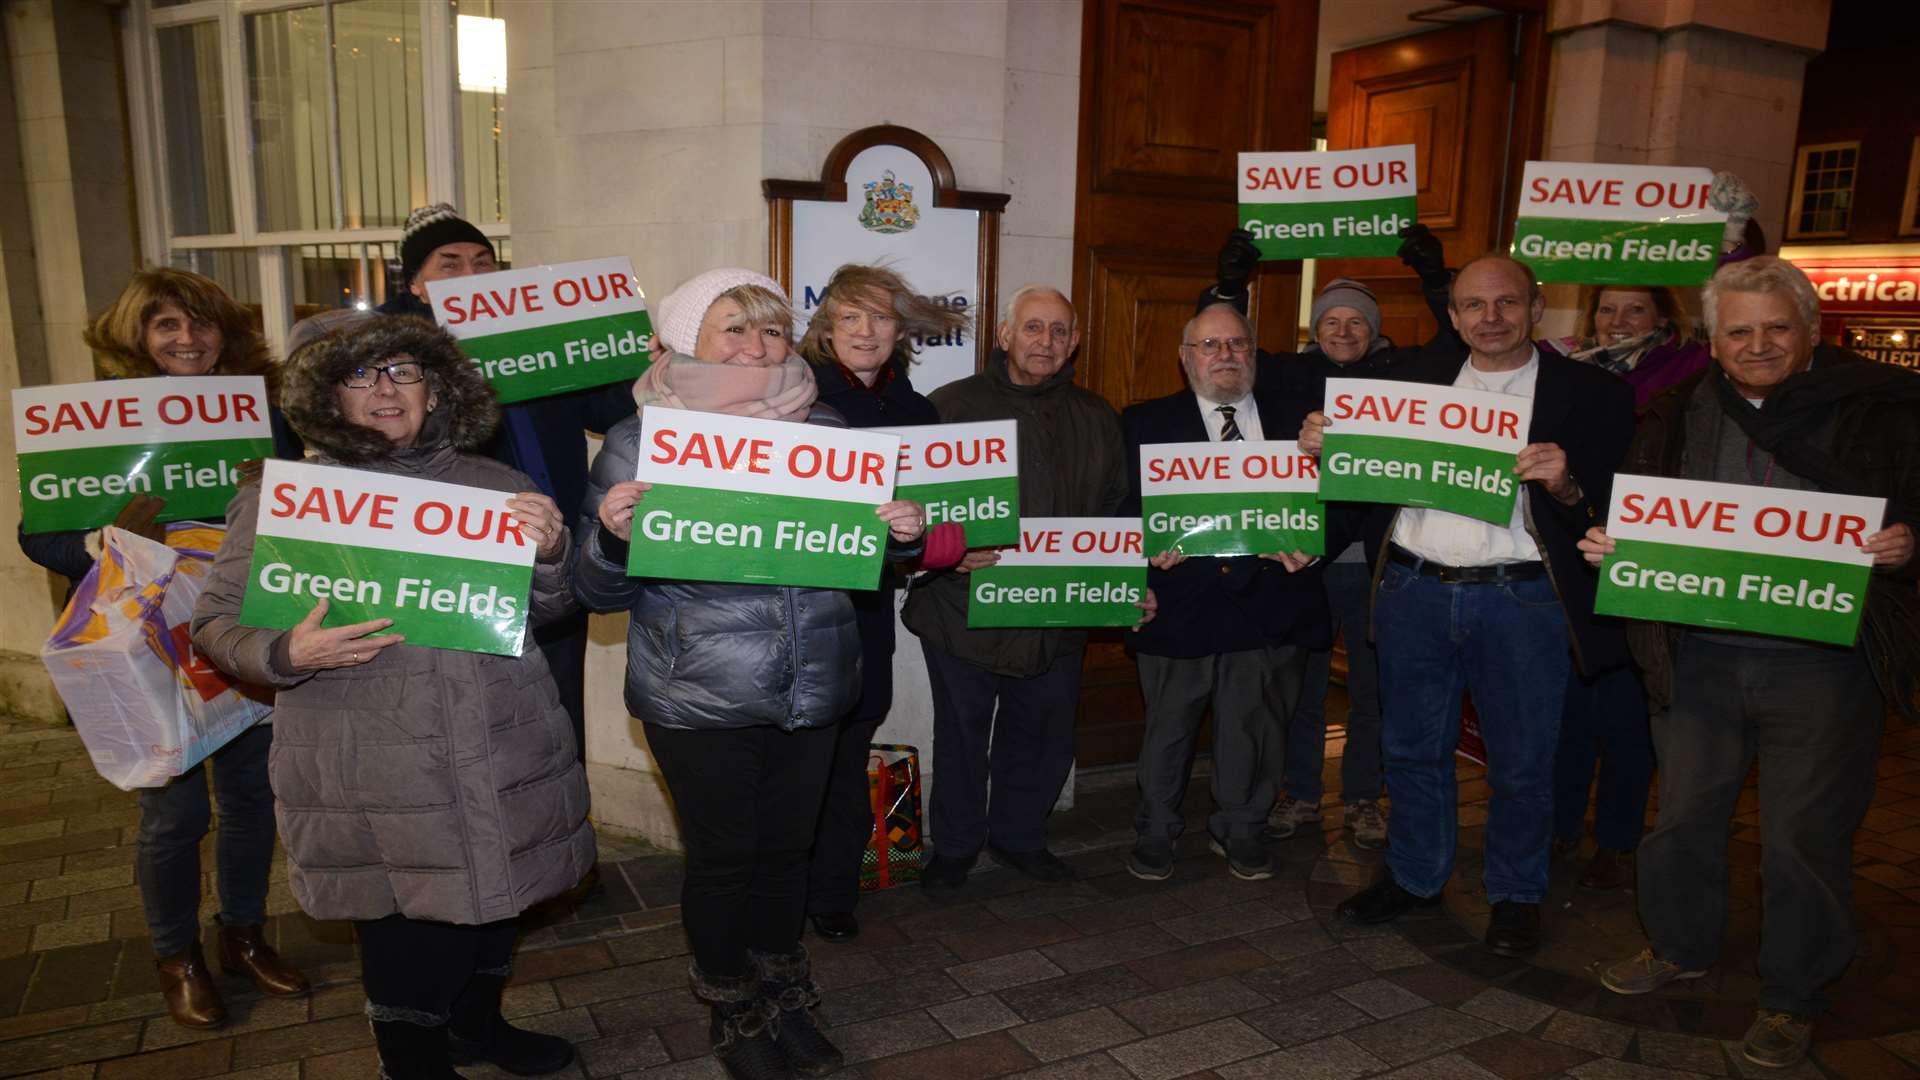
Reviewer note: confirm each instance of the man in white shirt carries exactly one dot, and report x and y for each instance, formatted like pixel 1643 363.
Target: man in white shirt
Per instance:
pixel 1493 610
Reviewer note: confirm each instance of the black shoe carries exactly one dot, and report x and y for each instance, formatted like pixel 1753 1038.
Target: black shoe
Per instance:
pixel 835 925
pixel 741 1026
pixel 478 1034
pixel 946 871
pixel 1040 865
pixel 1152 859
pixel 786 980
pixel 1383 901
pixel 1514 929
pixel 412 1052
pixel 1246 856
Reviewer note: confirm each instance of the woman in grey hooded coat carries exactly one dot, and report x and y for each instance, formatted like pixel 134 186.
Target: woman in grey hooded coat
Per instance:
pixel 429 795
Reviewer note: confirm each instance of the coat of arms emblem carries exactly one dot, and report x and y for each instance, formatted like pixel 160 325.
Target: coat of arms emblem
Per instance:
pixel 889 207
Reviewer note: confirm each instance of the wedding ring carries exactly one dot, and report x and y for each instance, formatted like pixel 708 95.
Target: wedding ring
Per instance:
pixel 356 658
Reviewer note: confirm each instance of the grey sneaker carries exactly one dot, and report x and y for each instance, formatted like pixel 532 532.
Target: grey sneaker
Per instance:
pixel 1152 859
pixel 1643 973
pixel 1368 824
pixel 1247 857
pixel 1777 1039
pixel 1288 815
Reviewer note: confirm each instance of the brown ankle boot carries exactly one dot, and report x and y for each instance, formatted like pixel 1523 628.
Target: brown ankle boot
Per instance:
pixel 244 951
pixel 187 985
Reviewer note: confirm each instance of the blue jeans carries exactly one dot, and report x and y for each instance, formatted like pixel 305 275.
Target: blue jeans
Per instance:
pixel 1605 718
pixel 174 819
pixel 1507 644
pixel 1347 584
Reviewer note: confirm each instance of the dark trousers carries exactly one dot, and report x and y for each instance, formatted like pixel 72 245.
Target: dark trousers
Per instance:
pixel 173 821
pixel 747 799
pixel 1813 718
pixel 564 644
pixel 1507 643
pixel 846 821
pixel 1249 692
pixel 1605 719
pixel 415 970
pixel 1014 733
pixel 1348 585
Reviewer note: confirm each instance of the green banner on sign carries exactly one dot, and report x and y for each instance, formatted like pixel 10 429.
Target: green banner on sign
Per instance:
pixel 1617 252
pixel 988 509
pixel 538 331
pixel 1235 523
pixel 1325 230
pixel 1778 595
pixel 1465 480
pixel 443 603
pixel 86 488
pixel 548 360
pixel 1057 596
pixel 704 534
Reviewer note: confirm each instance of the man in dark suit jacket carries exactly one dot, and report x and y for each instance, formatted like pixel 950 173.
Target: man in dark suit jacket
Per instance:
pixel 1230 632
pixel 1500 610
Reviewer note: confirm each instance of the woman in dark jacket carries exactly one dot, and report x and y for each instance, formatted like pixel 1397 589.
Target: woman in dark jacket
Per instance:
pixel 860 342
pixel 176 323
pixel 740 686
pixel 429 795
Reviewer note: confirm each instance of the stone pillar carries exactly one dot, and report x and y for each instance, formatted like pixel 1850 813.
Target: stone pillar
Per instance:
pixel 66 247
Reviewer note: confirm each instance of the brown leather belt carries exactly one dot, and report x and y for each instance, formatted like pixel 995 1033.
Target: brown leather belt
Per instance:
pixel 1498 574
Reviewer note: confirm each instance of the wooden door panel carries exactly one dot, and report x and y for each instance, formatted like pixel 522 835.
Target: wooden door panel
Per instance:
pixel 1144 301
pixel 1425 110
pixel 1171 124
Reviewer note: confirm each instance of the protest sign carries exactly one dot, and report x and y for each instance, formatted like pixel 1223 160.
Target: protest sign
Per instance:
pixel 86 448
pixel 1319 204
pixel 760 501
pixel 1738 557
pixel 1617 224
pixel 547 330
pixel 1231 498
pixel 966 473
pixel 1066 572
pixel 1412 444
pixel 447 563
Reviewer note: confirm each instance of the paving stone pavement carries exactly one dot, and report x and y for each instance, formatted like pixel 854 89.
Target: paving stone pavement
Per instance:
pixel 1202 976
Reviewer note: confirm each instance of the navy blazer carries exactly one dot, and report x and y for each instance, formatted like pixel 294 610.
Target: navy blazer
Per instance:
pixel 1218 605
pixel 1587 412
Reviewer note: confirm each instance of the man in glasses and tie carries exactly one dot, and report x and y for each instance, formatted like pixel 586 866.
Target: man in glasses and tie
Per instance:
pixel 1230 633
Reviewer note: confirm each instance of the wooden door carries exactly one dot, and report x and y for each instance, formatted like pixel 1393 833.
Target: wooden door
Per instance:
pixel 1170 92
pixel 1471 100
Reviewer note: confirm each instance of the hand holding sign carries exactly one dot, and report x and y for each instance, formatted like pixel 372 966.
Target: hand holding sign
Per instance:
pixel 1313 432
pixel 1596 545
pixel 540 520
pixel 312 647
pixel 616 510
pixel 141 517
pixel 1547 463
pixel 906 520
pixel 1890 547
pixel 978 560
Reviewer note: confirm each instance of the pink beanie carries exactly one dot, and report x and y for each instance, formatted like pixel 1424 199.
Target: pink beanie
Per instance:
pixel 677 318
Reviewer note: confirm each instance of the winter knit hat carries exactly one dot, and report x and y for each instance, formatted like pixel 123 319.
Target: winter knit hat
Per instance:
pixel 677 318
pixel 430 228
pixel 1347 293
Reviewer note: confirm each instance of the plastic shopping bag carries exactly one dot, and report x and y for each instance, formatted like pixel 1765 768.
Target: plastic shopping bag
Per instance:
pixel 147 706
pixel 893 793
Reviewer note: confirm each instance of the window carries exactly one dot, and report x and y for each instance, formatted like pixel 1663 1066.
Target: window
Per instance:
pixel 281 143
pixel 1910 208
pixel 1823 190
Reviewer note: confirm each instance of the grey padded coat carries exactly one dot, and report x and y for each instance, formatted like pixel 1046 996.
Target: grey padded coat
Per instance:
pixel 431 783
pixel 710 656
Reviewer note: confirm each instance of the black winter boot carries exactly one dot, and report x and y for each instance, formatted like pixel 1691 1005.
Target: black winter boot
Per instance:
pixel 786 979
pixel 410 1051
pixel 743 1025
pixel 479 1034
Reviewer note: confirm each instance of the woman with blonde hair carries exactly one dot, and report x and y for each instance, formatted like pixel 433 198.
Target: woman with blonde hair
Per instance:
pixel 861 341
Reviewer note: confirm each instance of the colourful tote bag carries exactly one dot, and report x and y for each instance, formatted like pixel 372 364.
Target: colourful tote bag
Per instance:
pixel 893 794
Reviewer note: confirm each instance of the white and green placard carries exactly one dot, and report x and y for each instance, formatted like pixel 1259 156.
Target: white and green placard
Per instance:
pixel 1231 498
pixel 1739 557
pixel 86 448
pixel 1617 224
pixel 447 563
pixel 1412 444
pixel 763 502
pixel 1079 572
pixel 546 330
pixel 1327 203
pixel 967 473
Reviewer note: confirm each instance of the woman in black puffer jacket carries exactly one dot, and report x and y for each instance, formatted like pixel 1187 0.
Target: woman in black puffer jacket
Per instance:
pixel 740 686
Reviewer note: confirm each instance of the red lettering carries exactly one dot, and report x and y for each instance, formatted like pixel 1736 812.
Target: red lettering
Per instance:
pixel 282 501
pixel 36 419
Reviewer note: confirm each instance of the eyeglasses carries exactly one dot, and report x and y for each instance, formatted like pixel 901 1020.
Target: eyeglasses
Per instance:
pixel 1239 346
pixel 405 373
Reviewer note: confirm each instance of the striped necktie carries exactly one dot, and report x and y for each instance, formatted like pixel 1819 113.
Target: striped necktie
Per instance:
pixel 1229 431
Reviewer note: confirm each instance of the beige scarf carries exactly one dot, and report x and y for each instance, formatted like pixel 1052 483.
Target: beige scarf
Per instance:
pixel 784 391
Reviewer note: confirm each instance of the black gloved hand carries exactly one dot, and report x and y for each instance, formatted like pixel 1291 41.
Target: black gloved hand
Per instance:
pixel 1422 251
pixel 1239 258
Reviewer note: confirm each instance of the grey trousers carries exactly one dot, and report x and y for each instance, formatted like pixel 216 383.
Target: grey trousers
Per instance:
pixel 1251 693
pixel 1813 718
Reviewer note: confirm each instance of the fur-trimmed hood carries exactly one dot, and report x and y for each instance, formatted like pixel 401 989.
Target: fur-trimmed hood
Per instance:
pixel 466 415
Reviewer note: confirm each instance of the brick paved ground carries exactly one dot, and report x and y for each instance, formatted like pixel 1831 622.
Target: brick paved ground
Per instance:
pixel 1109 977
